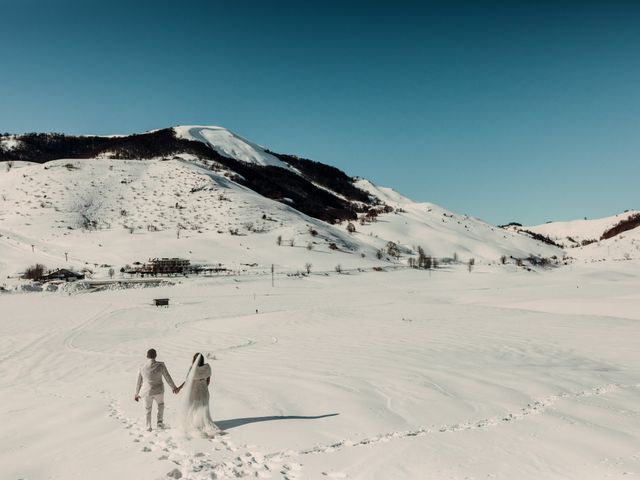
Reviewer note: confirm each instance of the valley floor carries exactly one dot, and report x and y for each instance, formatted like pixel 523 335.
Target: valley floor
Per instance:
pixel 406 374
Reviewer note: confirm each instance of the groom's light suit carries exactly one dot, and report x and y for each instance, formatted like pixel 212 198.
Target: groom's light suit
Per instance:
pixel 150 387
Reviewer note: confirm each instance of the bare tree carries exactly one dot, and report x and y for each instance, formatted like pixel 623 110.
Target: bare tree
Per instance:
pixel 279 240
pixel 307 267
pixel 424 261
pixel 471 263
pixel 393 249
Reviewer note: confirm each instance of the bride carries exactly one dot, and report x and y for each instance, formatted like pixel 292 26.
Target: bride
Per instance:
pixel 195 412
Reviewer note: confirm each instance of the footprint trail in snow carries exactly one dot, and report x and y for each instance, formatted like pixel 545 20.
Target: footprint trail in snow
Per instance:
pixel 222 459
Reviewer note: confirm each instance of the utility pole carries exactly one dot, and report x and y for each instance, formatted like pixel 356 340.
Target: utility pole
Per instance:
pixel 272 279
pixel 66 256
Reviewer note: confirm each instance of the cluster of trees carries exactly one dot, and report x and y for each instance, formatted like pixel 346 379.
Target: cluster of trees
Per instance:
pixel 629 223
pixel 423 260
pixel 286 186
pixel 44 147
pixel 326 175
pixel 540 238
pixel 35 272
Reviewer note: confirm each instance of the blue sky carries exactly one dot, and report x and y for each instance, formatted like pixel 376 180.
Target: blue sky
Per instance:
pixel 525 111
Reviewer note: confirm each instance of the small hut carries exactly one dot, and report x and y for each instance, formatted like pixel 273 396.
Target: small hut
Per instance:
pixel 63 274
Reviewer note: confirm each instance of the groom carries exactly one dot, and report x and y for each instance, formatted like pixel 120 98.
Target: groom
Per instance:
pixel 150 381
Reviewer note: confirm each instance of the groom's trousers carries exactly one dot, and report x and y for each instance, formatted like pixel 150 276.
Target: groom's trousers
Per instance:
pixel 148 402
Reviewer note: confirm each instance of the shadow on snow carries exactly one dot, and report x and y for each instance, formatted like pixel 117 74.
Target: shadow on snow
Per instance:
pixel 237 422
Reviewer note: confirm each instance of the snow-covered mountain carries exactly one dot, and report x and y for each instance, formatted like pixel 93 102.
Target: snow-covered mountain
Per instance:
pixel 615 237
pixel 207 194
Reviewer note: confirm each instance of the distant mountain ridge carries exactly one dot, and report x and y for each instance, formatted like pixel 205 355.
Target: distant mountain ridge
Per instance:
pixel 209 195
pixel 318 190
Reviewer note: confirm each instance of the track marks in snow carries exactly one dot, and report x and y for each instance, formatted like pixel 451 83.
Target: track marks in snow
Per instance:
pixel 224 459
pixel 75 332
pixel 535 407
pixel 221 459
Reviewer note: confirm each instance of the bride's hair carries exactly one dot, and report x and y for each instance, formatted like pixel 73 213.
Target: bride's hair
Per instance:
pixel 200 360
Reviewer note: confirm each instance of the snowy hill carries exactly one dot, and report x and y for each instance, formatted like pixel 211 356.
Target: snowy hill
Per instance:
pixel 229 144
pixel 207 194
pixel 616 237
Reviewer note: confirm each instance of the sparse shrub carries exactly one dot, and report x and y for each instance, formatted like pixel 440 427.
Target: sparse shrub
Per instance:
pixel 333 246
pixel 307 267
pixel 112 272
pixel 379 254
pixel 310 246
pixel 351 228
pixel 292 242
pixel 471 263
pixel 279 240
pixel 313 232
pixel 503 259
pixel 338 268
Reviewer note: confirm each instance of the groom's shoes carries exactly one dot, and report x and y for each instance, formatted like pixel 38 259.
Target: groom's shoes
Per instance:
pixel 160 425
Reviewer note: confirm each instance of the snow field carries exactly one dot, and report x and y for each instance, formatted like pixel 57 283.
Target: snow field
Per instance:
pixel 486 374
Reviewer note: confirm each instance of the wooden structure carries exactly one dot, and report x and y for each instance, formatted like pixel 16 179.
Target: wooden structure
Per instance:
pixel 161 302
pixel 63 274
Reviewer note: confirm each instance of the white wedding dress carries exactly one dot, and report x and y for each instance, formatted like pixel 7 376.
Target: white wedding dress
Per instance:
pixel 196 416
